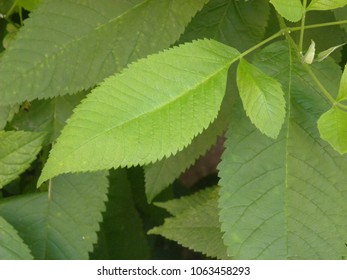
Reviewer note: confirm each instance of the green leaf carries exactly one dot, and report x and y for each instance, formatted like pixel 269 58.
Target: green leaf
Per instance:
pixel 309 55
pixel 4 113
pixel 12 246
pixel 151 110
pixel 67 46
pixel 332 126
pixel 262 98
pixel 17 150
pixel 195 223
pixel 291 10
pixel 121 235
pixel 324 54
pixel 47 115
pixel 29 4
pixel 161 174
pixel 62 223
pixel 285 198
pixel 326 4
pixel 342 95
pixel 341 14
pixel 240 24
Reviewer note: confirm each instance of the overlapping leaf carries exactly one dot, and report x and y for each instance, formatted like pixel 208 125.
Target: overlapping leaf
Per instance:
pixel 151 110
pixel 195 223
pixel 240 24
pixel 291 10
pixel 162 173
pixel 326 4
pixel 121 233
pixel 62 223
pixel 12 246
pixel 47 115
pixel 70 45
pixel 285 198
pixel 17 150
pixel 262 98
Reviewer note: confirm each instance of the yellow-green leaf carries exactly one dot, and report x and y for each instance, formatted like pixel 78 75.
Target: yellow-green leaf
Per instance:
pixel 291 10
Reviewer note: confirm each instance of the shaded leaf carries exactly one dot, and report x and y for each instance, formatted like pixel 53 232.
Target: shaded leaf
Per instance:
pixel 341 14
pixel 195 223
pixel 240 24
pixel 47 115
pixel 17 150
pixel 342 95
pixel 151 110
pixel 162 173
pixel 326 4
pixel 332 126
pixel 262 98
pixel 285 198
pixel 67 46
pixel 12 246
pixel 291 10
pixel 121 235
pixel 62 223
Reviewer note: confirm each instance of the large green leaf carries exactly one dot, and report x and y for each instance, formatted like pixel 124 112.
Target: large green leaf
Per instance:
pixel 70 45
pixel 262 98
pixel 195 223
pixel 121 233
pixel 12 246
pixel 162 173
pixel 291 10
pixel 285 198
pixel 151 110
pixel 17 150
pixel 332 126
pixel 240 24
pixel 60 223
pixel 47 115
pixel 326 4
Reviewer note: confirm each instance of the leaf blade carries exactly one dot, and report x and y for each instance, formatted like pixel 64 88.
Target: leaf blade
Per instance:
pixel 323 5
pixel 291 10
pixel 180 84
pixel 262 98
pixel 66 47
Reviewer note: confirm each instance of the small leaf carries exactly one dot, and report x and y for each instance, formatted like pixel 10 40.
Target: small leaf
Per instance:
pixel 326 4
pixel 324 54
pixel 342 95
pixel 262 98
pixel 12 246
pixel 309 56
pixel 17 150
pixel 291 10
pixel 195 223
pixel 151 110
pixel 62 223
pixel 332 127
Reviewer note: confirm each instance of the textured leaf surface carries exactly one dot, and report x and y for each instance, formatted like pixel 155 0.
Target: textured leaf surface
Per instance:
pixel 47 115
pixel 240 24
pixel 326 4
pixel 62 223
pixel 262 98
pixel 12 246
pixel 195 223
pixel 151 110
pixel 332 126
pixel 291 10
pixel 285 198
pixel 4 112
pixel 121 235
pixel 70 45
pixel 162 173
pixel 17 150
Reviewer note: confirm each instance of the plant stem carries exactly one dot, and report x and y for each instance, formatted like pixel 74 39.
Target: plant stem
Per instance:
pixel 302 27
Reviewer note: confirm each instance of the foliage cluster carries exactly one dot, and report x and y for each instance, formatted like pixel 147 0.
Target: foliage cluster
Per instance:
pixel 104 104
